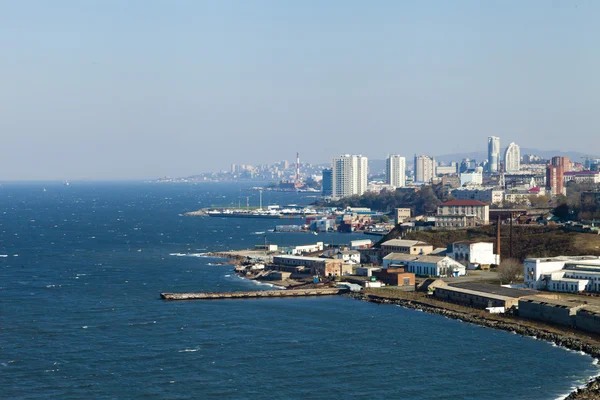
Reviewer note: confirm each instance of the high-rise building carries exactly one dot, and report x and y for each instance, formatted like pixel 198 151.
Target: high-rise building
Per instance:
pixel 555 173
pixel 327 182
pixel 512 158
pixel 424 168
pixel 395 170
pixel 493 154
pixel 349 175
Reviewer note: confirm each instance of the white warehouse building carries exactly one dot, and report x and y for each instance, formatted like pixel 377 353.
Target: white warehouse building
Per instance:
pixel 474 254
pixel 438 266
pixel 563 274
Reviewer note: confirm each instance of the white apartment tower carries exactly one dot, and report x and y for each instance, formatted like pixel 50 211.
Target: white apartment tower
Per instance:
pixel 512 158
pixel 349 175
pixel 493 154
pixel 424 168
pixel 395 170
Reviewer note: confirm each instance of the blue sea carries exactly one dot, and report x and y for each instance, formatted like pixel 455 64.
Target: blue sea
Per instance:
pixel 82 267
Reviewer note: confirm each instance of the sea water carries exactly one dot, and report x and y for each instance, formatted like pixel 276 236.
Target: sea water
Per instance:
pixel 82 267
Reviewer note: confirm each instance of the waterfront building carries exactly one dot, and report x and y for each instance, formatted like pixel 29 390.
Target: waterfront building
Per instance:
pixel 512 158
pixel 314 265
pixel 349 175
pixel 424 168
pixel 458 214
pixel 481 295
pixel 395 170
pixel 563 274
pixel 473 254
pixel 493 154
pixel 327 182
pixel 472 176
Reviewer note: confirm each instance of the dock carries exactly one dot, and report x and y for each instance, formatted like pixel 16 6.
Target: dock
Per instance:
pixel 253 295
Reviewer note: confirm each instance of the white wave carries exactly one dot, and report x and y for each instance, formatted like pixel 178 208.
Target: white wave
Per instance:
pixel 188 254
pixel 15 255
pixel 227 276
pixel 84 327
pixel 3 255
pixel 50 286
pixel 258 233
pixel 189 350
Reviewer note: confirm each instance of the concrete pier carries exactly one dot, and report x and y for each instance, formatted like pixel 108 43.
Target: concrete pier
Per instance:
pixel 252 295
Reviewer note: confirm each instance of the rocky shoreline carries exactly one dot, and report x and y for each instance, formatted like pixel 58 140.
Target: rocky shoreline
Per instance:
pixel 591 389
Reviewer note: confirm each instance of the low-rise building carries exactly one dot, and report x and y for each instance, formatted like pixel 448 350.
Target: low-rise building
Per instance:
pixel 366 271
pixel 485 194
pixel 316 265
pixel 460 214
pixel 427 265
pixel 405 247
pixel 473 254
pixel 592 177
pixel 548 309
pixel 402 215
pixel 480 295
pixel 348 256
pixel 563 274
pixel 360 244
pixel 395 277
pixel 309 248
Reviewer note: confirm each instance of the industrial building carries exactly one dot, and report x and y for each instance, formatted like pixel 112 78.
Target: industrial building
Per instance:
pixel 481 295
pixel 426 265
pixel 563 274
pixel 473 255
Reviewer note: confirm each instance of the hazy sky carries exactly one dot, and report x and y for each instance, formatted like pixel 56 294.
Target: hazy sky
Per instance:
pixel 135 89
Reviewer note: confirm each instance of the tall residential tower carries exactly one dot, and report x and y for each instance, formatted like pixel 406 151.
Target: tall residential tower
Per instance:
pixel 395 170
pixel 424 168
pixel 512 158
pixel 349 175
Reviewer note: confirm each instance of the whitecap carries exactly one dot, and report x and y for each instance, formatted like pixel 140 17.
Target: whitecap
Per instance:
pixel 227 276
pixel 84 327
pixel 3 255
pixel 189 350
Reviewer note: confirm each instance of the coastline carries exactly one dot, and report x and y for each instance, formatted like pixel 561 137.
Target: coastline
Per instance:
pixel 589 391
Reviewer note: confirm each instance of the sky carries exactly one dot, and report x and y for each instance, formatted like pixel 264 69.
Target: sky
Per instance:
pixel 112 89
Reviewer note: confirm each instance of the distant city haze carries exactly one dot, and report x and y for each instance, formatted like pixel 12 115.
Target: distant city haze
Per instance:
pixel 141 89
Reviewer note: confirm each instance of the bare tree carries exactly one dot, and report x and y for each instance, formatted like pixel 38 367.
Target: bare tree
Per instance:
pixel 510 270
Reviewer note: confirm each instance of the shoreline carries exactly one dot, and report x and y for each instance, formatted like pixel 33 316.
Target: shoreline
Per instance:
pixel 588 391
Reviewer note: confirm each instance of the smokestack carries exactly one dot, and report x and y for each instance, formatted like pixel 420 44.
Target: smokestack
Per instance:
pixel 498 237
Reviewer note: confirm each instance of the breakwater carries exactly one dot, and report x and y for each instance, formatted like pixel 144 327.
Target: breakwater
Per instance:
pixel 569 341
pixel 251 295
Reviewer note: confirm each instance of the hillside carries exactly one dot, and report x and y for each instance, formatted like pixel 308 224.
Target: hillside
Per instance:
pixel 527 241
